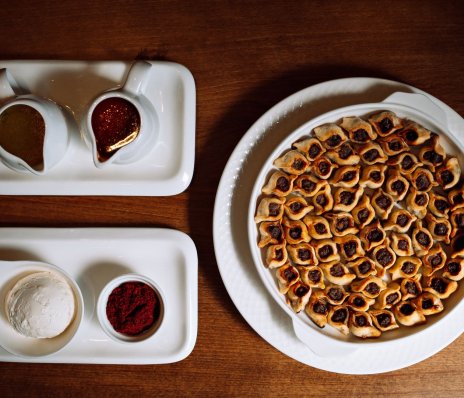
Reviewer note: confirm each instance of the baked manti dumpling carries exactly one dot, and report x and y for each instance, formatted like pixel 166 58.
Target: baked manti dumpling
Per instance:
pixel 406 162
pixel 337 273
pixel 271 233
pixel 456 198
pixel 318 227
pixel 440 228
pixel 302 254
pixel 331 135
pixel 382 203
pixel 373 176
pixel 386 123
pixel 432 155
pixel 297 207
pixel 388 297
pixel 414 134
pixel 345 199
pixel 401 244
pixel 396 185
pixel 299 295
pixel 276 255
pixel 310 146
pixel 317 308
pixel 323 201
pixel 292 162
pixel 383 320
pixel 422 180
pixel 326 250
pixel 405 267
pixel 358 130
pixel 372 236
pixel 407 313
pixel 422 240
pixel 363 213
pixel 439 286
pixel 410 287
pixel 358 302
pixel 346 176
pixel 335 294
pixel 428 304
pixel 279 184
pixel 360 325
pixel 338 318
pixel 370 286
pixel 308 185
pixel 322 167
pixel 341 224
pixel 362 267
pixel 350 247
pixel 393 145
pixel 438 205
pixel 399 220
pixel 312 276
pixel 372 153
pixel 457 221
pixel 454 269
pixel 383 255
pixel 287 276
pixel 345 155
pixel 417 202
pixel 448 175
pixel 295 231
pixel 270 209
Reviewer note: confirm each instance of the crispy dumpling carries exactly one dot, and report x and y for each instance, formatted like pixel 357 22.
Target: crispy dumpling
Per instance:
pixel 326 250
pixel 407 313
pixel 422 240
pixel 414 134
pixel 383 320
pixel 310 146
pixel 269 209
pixel 297 207
pixel 346 176
pixel 335 294
pixel 292 162
pixel 422 179
pixel 406 163
pixel 372 153
pixel 331 135
pixel 399 220
pixel 345 199
pixel 295 231
pixel 438 204
pixel 271 233
pixel 286 276
pixel 344 156
pixel 358 302
pixel 373 235
pixel 350 246
pixel 323 201
pixel 428 303
pixel 385 123
pixel 410 287
pixel 276 255
pixel 317 308
pixel 312 276
pixel 358 130
pixel 405 267
pixel 439 286
pixel 341 223
pixel 417 202
pixel 322 167
pixel 308 185
pixel 302 254
pixel 279 184
pixel 393 145
pixel 318 227
pixel 434 260
pixel 363 213
pixel 338 318
pixel 454 269
pixel 457 245
pixel 401 244
pixel 457 221
pixel 337 273
pixel 360 325
pixel 383 255
pixel 396 185
pixel 439 228
pixel 449 174
pixel 456 198
pixel 299 295
pixel 362 267
pixel 373 176
pixel 371 286
pixel 434 154
pixel 382 203
pixel 388 297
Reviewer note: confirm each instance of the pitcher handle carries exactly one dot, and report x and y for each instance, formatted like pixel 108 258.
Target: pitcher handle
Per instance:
pixel 137 78
pixel 9 88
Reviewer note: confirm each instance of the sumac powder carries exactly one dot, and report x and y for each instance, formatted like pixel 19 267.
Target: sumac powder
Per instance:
pixel 132 308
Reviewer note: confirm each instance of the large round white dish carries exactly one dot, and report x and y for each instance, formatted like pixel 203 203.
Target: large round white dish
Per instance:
pixel 231 240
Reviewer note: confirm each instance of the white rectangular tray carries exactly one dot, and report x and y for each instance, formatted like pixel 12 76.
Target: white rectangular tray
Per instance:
pixel 94 256
pixel 166 170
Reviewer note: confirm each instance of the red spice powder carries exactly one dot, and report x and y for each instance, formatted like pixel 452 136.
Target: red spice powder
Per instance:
pixel 132 308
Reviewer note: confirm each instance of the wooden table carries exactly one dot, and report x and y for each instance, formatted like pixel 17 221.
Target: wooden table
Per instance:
pixel 245 57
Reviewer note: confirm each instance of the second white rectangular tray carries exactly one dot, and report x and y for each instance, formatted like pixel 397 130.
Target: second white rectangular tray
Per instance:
pixel 166 170
pixel 93 257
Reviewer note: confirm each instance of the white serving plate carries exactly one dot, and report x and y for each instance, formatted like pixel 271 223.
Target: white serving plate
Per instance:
pixel 93 257
pixel 166 170
pixel 328 341
pixel 235 260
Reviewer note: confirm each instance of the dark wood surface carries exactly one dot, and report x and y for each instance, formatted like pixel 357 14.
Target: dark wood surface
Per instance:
pixel 245 57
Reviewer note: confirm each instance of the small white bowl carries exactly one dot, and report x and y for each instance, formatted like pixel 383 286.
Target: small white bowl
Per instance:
pixel 23 346
pixel 103 300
